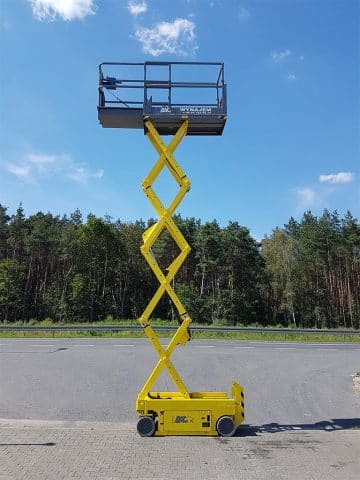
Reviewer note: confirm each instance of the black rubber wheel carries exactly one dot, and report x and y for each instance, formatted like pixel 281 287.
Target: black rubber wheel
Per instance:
pixel 146 426
pixel 225 426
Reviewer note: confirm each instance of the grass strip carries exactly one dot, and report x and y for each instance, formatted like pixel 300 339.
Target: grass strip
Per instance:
pixel 215 335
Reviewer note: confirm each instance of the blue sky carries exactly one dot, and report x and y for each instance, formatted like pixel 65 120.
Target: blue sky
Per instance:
pixel 291 141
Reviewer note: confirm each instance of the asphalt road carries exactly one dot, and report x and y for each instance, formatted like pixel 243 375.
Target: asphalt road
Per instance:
pixel 287 385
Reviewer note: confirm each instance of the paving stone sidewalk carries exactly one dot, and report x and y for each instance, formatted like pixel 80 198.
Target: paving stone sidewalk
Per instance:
pixel 43 450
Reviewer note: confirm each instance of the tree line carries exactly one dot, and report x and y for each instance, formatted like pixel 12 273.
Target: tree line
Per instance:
pixel 306 274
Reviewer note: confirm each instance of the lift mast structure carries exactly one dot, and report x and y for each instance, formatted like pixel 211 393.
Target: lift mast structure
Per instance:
pixel 162 99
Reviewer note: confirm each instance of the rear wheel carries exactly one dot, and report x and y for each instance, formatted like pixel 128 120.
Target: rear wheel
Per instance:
pixel 225 426
pixel 146 426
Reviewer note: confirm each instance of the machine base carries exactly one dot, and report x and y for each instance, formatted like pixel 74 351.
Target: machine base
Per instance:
pixel 204 413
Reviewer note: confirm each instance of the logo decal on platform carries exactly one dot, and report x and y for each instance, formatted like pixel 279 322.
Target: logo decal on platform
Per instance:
pixel 183 419
pixel 196 110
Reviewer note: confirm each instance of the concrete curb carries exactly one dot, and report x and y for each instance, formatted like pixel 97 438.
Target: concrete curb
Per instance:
pixel 356 383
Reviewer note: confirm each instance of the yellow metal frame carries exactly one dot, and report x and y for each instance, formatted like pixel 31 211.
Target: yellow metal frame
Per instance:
pixel 181 412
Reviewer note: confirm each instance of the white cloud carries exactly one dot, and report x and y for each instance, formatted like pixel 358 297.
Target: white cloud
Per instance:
pixel 341 177
pixel 175 37
pixel 36 166
pixel 81 174
pixel 135 8
pixel 65 9
pixel 306 195
pixel 279 56
pixel 307 198
pixel 41 162
pixel 244 14
pixel 20 171
pixel 291 77
pixel 319 196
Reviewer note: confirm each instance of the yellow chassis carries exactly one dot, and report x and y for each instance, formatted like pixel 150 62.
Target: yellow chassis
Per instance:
pixel 181 412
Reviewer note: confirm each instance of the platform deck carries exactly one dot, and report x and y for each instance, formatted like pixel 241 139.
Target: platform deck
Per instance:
pixel 110 117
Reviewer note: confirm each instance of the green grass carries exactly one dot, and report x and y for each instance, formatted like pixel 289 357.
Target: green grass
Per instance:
pixel 279 337
pixel 291 337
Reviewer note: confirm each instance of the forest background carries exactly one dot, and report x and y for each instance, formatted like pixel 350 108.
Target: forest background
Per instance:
pixel 306 274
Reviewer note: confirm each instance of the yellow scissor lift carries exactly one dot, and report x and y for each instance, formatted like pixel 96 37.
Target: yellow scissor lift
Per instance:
pixel 180 412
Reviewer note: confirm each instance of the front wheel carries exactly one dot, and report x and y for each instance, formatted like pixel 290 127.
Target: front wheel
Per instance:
pixel 146 426
pixel 225 426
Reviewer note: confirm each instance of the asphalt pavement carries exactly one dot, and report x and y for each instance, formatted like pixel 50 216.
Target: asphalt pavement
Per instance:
pixel 98 379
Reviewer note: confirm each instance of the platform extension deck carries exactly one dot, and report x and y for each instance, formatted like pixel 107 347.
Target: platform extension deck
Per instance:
pixel 126 101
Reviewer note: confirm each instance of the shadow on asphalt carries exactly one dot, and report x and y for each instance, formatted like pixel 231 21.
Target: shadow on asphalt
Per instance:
pixel 326 425
pixel 49 444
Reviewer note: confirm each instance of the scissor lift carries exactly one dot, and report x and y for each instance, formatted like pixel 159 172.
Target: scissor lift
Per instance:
pixel 161 110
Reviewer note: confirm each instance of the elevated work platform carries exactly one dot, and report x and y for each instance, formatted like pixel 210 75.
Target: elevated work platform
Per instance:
pixel 167 98
pixel 163 92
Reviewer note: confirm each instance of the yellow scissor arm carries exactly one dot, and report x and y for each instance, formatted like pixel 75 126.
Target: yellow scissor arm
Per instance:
pixel 166 160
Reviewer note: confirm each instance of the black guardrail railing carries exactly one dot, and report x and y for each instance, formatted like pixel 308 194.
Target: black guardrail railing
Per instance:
pixel 195 328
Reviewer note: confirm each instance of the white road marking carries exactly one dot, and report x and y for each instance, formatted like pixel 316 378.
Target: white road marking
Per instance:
pixel 298 344
pixel 325 344
pixel 327 349
pixel 205 346
pixel 83 345
pixel 244 347
pixel 42 345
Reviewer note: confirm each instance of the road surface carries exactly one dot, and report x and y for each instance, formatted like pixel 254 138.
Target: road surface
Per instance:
pixel 75 397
